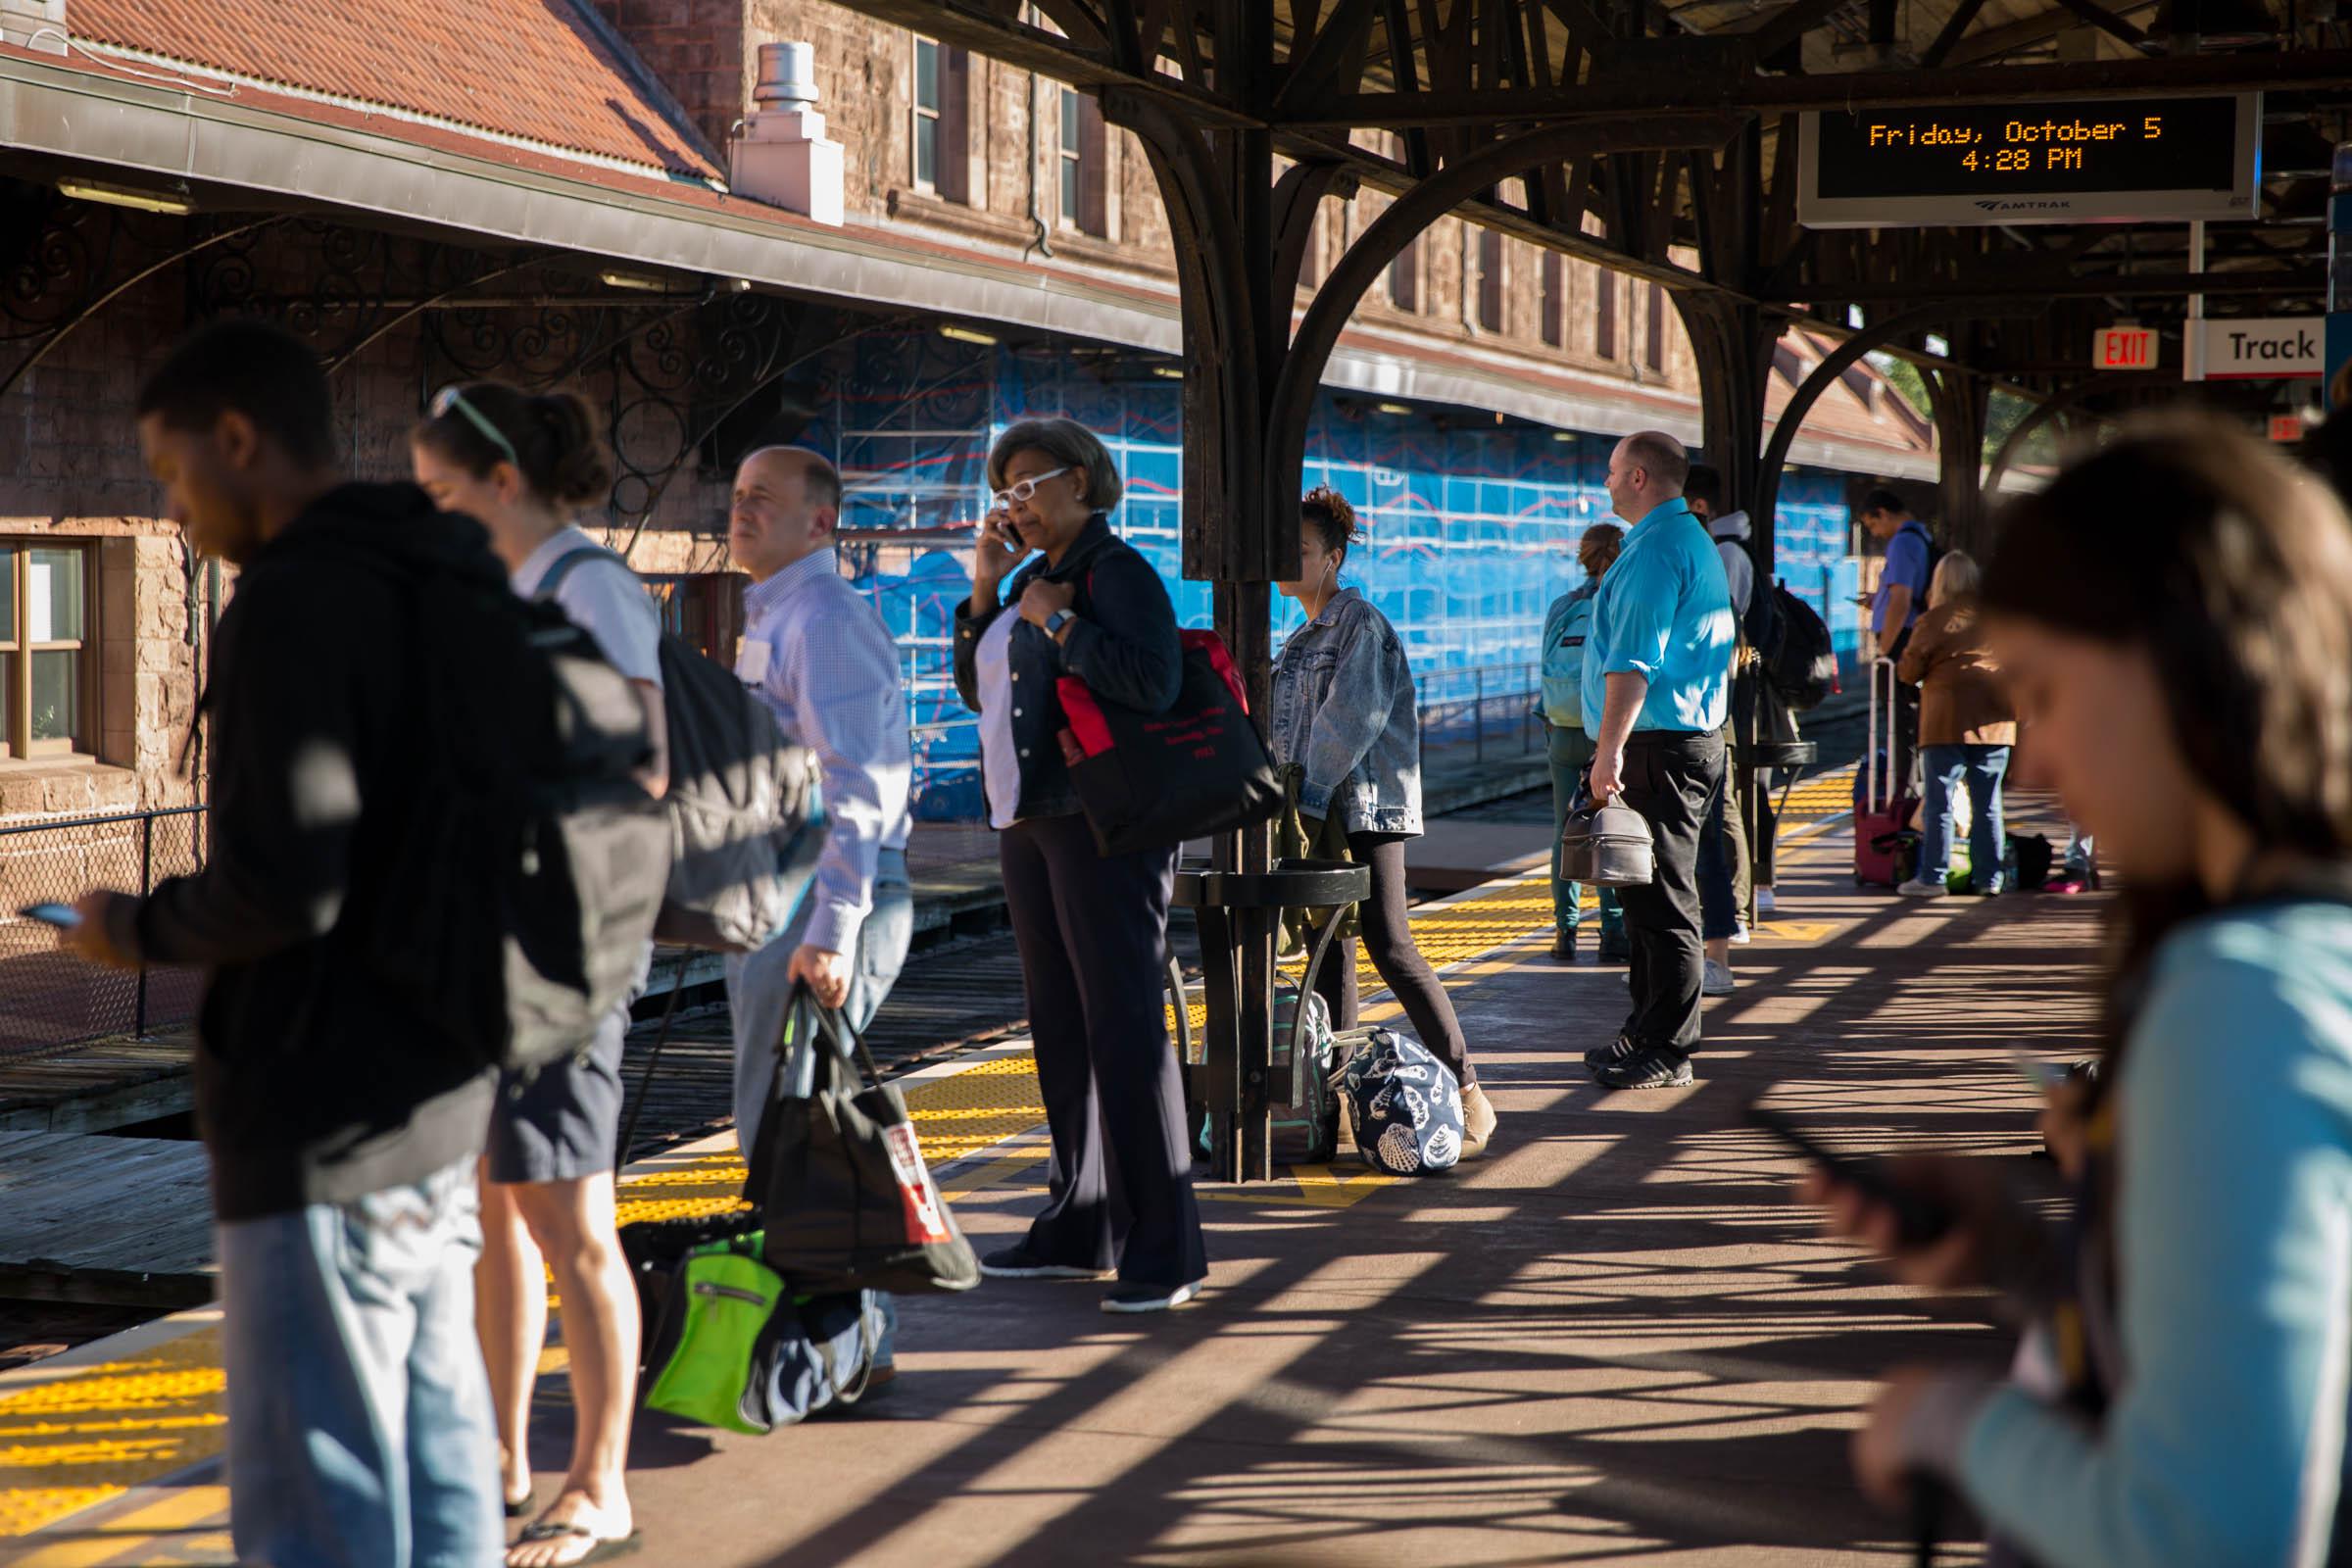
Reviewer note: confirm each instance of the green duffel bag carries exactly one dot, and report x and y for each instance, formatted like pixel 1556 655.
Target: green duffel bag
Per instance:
pixel 736 1349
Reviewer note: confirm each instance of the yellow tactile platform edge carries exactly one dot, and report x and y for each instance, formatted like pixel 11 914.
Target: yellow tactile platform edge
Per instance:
pixel 78 1441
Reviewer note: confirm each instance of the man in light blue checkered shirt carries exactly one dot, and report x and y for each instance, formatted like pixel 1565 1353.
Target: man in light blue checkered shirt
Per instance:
pixel 822 661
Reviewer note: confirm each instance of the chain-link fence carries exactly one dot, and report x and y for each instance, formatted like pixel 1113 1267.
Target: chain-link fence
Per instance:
pixel 49 998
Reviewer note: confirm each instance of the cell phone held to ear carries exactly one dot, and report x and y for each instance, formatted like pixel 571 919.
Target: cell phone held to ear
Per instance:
pixel 1918 1220
pixel 64 917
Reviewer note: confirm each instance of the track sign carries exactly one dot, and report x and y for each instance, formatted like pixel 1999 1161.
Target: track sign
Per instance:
pixel 2283 348
pixel 2125 348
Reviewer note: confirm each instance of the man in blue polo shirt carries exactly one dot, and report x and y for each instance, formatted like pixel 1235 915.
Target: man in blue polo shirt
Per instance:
pixel 1657 678
pixel 1895 609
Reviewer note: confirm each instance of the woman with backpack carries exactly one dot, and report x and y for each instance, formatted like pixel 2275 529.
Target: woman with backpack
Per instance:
pixel 1092 928
pixel 518 464
pixel 2174 615
pixel 1966 729
pixel 1566 744
pixel 1342 709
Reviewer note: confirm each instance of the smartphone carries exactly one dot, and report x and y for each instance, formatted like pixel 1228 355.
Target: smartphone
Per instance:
pixel 2043 1075
pixel 62 916
pixel 1918 1220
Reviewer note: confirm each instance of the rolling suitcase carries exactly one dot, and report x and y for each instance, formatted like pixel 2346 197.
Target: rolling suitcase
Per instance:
pixel 1883 806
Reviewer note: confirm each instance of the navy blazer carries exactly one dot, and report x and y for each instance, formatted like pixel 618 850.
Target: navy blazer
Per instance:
pixel 1123 646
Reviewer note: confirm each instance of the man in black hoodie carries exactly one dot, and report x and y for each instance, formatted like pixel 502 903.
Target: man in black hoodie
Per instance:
pixel 341 1128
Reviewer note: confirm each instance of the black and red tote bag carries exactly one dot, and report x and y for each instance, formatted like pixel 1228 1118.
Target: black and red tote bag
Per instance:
pixel 1148 781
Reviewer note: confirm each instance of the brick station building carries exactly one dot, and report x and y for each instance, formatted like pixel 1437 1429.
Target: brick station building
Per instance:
pixel 559 191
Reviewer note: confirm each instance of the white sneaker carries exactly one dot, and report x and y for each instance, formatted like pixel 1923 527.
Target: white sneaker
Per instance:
pixel 1920 888
pixel 1763 900
pixel 1715 979
pixel 1741 937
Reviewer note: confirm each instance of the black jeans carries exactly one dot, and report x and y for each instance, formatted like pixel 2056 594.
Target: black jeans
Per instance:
pixel 1093 934
pixel 1389 939
pixel 1902 739
pixel 1671 778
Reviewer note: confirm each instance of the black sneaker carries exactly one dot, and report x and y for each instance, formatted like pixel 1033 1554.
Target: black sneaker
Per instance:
pixel 1150 1298
pixel 1615 952
pixel 1563 945
pixel 1660 1067
pixel 1617 1049
pixel 1020 1263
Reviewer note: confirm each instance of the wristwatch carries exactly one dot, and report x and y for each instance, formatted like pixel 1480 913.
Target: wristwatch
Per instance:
pixel 1056 621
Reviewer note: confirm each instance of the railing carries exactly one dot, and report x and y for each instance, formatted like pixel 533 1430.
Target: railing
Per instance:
pixel 1486 708
pixel 49 998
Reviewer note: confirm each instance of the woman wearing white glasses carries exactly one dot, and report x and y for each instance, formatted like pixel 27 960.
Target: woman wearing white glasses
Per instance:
pixel 1092 928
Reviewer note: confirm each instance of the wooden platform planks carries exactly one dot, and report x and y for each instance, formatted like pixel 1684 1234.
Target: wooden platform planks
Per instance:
pixel 88 1218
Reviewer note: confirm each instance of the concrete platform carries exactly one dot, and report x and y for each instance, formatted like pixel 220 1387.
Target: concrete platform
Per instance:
pixel 1611 1342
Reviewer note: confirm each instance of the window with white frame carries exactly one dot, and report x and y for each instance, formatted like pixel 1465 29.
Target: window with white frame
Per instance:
pixel 927 101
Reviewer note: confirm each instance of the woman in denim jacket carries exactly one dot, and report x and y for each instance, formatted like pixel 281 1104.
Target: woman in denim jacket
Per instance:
pixel 1343 711
pixel 1092 929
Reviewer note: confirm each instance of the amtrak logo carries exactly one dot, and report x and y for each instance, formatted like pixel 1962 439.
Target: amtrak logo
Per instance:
pixel 1998 206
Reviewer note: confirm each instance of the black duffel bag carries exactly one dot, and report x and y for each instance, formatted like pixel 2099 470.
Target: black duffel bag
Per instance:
pixel 1151 781
pixel 839 1177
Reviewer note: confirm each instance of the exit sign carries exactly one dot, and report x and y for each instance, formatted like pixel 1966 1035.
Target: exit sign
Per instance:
pixel 2287 427
pixel 2125 348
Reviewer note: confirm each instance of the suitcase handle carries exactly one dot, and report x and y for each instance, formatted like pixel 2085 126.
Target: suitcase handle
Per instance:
pixel 1877 791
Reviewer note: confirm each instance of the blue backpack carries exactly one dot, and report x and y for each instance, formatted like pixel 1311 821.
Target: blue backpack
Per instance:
pixel 1566 629
pixel 1404 1103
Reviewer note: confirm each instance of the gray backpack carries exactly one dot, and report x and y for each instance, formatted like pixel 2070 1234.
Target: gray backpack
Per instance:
pixel 739 795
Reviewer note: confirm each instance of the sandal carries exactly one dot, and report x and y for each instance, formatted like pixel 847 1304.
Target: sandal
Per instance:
pixel 607 1547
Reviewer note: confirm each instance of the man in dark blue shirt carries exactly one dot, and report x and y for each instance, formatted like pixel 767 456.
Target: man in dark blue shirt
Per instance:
pixel 1902 594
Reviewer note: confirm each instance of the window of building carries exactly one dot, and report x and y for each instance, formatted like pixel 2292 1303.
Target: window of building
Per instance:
pixel 1555 299
pixel 1604 314
pixel 1653 348
pixel 1490 280
pixel 1404 276
pixel 46 678
pixel 1084 152
pixel 941 114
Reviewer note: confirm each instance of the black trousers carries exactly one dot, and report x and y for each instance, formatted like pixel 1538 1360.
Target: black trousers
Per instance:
pixel 1671 778
pixel 1093 934
pixel 1389 940
pixel 1902 740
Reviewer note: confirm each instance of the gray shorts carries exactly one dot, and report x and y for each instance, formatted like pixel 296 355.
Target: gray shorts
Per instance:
pixel 563 1122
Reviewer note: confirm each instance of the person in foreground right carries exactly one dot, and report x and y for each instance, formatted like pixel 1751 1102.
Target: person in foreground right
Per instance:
pixel 2175 618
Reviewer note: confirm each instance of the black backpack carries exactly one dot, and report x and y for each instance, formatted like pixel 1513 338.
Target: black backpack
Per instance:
pixel 739 794
pixel 520 916
pixel 1800 663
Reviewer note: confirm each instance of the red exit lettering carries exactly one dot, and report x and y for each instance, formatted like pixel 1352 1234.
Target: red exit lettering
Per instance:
pixel 2125 348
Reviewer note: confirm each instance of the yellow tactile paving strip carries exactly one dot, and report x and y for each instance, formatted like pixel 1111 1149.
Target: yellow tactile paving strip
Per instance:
pixel 90 1437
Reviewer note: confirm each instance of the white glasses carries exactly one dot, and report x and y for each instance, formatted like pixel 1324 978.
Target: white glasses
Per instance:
pixel 452 400
pixel 1026 489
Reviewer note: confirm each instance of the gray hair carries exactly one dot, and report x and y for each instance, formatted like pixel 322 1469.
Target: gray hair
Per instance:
pixel 820 481
pixel 1661 457
pixel 1069 444
pixel 1957 575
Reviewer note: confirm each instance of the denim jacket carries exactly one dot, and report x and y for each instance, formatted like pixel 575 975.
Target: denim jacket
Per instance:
pixel 1343 710
pixel 1123 646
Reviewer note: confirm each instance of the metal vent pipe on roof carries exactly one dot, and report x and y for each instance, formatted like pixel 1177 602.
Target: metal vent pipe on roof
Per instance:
pixel 781 156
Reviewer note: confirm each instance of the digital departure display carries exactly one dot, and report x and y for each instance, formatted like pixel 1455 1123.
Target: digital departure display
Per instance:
pixel 2137 157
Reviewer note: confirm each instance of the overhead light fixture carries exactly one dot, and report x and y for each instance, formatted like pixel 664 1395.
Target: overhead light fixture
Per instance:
pixel 145 201
pixel 1390 407
pixel 644 281
pixel 967 334
pixel 1168 370
pixel 1563 435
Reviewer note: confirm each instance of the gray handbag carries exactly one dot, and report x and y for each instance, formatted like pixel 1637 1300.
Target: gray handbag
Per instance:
pixel 1607 846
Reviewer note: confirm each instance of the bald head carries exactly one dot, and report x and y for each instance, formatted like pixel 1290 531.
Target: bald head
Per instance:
pixel 1645 471
pixel 787 506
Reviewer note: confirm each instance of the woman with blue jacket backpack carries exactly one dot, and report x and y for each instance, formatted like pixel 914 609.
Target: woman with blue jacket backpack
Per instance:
pixel 2173 620
pixel 1569 746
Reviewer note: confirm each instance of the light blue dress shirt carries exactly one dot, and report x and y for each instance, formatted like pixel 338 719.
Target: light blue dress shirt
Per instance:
pixel 1664 612
pixel 820 657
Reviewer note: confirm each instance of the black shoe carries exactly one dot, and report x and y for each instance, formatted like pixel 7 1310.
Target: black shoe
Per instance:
pixel 1019 1263
pixel 1615 952
pixel 1563 945
pixel 1660 1067
pixel 1618 1049
pixel 1150 1298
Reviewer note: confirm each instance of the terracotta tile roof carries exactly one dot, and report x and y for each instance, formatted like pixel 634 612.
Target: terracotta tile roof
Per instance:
pixel 548 73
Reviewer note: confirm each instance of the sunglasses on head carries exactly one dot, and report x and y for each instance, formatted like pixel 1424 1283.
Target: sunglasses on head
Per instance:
pixel 452 399
pixel 1026 488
